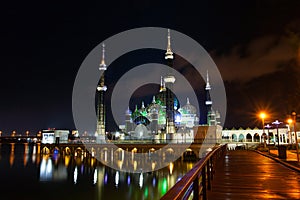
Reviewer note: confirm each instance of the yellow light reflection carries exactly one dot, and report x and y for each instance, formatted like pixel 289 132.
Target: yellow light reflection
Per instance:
pixel 153 166
pixel 171 167
pixel 26 149
pixel 12 154
pixel 11 158
pixel 67 160
pixel 134 165
pixel 120 164
pixel 189 166
pixel 93 161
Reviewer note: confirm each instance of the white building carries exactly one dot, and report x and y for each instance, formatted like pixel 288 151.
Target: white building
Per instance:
pixel 286 135
pixel 55 136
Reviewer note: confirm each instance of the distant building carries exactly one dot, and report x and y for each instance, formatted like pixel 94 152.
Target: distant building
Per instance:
pixel 55 136
pixel 256 135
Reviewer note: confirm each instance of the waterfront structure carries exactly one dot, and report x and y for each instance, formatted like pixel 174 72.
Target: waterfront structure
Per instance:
pixel 256 135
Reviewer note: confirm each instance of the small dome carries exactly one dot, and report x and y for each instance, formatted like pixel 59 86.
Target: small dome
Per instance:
pixel 188 108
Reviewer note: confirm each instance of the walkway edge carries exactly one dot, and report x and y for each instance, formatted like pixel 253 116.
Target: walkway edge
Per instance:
pixel 279 161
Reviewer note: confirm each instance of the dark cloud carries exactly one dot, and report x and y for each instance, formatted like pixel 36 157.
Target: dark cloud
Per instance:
pixel 263 55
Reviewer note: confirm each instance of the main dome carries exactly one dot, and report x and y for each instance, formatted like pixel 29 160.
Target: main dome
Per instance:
pixel 188 108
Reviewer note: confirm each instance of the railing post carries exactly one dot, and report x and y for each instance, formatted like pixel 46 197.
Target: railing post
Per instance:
pixel 212 165
pixel 208 174
pixel 190 183
pixel 204 183
pixel 196 188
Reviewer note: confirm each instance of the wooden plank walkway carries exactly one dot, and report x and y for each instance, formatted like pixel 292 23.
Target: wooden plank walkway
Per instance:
pixel 248 175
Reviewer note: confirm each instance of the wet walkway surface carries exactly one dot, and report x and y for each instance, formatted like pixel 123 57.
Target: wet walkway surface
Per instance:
pixel 248 175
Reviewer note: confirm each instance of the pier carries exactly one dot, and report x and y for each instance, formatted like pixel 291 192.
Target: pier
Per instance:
pixel 239 174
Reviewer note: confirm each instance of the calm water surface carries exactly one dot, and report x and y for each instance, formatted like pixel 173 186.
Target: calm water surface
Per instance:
pixel 25 174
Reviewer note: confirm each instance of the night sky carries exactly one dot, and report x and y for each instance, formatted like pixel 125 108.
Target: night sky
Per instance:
pixel 255 44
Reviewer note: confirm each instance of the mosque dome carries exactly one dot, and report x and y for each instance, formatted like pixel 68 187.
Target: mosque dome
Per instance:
pixel 188 108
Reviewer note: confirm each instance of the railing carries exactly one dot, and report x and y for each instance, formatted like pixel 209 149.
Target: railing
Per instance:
pixel 198 180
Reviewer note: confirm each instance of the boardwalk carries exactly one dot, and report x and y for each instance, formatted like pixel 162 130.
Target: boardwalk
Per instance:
pixel 249 175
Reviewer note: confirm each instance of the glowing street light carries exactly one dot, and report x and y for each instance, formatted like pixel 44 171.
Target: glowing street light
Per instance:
pixel 263 115
pixel 289 120
pixel 13 134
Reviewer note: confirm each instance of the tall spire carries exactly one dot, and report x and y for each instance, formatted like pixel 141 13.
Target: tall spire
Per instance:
pixel 207 87
pixel 153 99
pixel 208 101
pixel 161 84
pixel 211 119
pixel 169 81
pixel 143 105
pixel 102 63
pixel 169 53
pixel 100 132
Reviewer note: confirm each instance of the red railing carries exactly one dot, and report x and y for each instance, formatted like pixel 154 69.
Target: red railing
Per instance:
pixel 198 180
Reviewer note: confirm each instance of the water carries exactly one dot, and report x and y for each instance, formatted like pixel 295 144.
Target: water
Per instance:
pixel 24 174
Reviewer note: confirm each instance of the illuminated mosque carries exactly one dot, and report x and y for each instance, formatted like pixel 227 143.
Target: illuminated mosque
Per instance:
pixel 163 118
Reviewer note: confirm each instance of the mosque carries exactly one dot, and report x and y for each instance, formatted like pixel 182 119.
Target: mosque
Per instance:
pixel 164 118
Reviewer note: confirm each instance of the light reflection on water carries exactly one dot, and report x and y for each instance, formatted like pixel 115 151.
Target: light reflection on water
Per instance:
pixel 78 177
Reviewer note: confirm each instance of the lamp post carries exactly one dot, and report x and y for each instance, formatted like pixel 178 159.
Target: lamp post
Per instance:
pixel 277 123
pixel 290 121
pixel 296 137
pixel 262 115
pixel 268 127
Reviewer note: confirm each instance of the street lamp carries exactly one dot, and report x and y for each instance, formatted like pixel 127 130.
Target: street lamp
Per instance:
pixel 277 123
pixel 296 137
pixel 263 115
pixel 290 121
pixel 268 127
